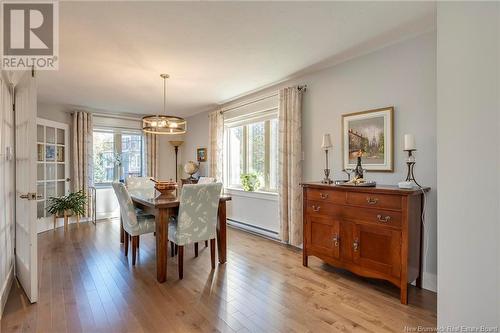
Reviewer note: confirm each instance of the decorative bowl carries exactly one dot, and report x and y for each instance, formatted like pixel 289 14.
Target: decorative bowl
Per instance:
pixel 166 188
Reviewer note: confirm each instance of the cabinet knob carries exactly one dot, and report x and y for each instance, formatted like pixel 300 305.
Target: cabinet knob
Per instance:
pixel 323 196
pixel 336 240
pixel 316 208
pixel 371 201
pixel 355 245
pixel 384 219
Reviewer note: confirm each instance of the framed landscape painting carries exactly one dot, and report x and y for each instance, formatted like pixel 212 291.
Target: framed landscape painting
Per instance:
pixel 369 133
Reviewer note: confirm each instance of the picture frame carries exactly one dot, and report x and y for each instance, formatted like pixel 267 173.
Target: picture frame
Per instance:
pixel 372 132
pixel 201 154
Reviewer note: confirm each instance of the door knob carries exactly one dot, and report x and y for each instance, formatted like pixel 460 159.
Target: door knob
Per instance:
pixel 29 196
pixel 68 179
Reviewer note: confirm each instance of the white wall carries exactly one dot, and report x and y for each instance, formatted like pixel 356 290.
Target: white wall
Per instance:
pixel 468 166
pixel 196 137
pixel 402 75
pixel 7 194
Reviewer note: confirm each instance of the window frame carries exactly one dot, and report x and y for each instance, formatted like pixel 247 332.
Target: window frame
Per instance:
pixel 245 122
pixel 117 149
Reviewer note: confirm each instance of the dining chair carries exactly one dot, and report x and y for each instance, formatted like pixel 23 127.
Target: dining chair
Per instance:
pixel 134 225
pixel 206 180
pixel 203 180
pixel 197 219
pixel 139 183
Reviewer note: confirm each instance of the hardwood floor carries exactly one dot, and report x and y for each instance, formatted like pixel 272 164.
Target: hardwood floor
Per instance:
pixel 87 285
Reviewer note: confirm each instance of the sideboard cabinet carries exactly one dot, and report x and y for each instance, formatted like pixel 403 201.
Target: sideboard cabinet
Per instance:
pixel 371 231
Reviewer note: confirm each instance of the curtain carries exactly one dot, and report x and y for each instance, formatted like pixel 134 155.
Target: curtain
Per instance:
pixel 83 155
pixel 215 139
pixel 151 155
pixel 290 165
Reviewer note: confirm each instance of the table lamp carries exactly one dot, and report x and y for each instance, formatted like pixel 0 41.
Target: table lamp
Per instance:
pixel 327 143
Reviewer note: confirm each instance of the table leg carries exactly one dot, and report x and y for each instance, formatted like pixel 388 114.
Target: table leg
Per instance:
pixel 221 232
pixel 122 232
pixel 161 221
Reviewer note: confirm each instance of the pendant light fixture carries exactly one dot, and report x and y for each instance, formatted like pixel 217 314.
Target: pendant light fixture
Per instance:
pixel 164 124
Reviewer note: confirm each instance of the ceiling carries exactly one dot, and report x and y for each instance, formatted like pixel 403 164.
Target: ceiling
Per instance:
pixel 111 53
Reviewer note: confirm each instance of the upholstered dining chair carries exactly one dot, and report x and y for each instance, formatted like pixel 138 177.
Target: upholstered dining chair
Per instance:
pixel 134 225
pixel 203 180
pixel 206 180
pixel 139 183
pixel 197 219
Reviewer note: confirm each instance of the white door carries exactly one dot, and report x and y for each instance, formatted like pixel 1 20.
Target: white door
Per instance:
pixel 52 178
pixel 26 232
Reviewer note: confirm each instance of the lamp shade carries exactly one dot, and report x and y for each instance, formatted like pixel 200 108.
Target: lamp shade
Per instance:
pixel 327 142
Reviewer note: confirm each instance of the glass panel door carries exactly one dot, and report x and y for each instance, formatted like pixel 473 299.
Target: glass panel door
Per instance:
pixel 52 164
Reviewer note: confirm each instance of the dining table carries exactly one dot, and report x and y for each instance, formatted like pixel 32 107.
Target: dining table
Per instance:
pixel 163 207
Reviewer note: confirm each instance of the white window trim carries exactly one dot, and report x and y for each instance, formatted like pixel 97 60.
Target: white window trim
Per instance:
pixel 117 146
pixel 266 116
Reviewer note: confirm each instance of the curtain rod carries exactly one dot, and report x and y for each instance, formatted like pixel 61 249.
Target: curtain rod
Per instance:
pixel 299 87
pixel 113 116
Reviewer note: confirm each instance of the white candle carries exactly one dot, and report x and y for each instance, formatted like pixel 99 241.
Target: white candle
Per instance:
pixel 409 142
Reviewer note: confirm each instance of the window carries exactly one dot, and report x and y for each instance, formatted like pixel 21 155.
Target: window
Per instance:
pixel 252 147
pixel 117 155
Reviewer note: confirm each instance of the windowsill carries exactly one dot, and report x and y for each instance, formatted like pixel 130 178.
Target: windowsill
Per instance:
pixel 263 195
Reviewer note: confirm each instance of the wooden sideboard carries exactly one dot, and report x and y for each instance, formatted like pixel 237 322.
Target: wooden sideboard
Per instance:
pixel 371 231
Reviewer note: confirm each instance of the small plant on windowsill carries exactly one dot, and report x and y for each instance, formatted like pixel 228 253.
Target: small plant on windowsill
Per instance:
pixel 64 206
pixel 249 182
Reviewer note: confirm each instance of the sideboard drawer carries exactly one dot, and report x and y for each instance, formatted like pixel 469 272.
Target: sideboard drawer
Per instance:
pixel 317 208
pixel 376 216
pixel 337 197
pixel 387 201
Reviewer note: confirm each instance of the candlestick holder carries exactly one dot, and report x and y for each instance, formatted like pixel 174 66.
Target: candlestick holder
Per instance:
pixel 410 162
pixel 327 179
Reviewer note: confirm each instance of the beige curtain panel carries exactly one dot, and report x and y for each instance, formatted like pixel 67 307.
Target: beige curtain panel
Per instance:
pixel 83 154
pixel 216 137
pixel 151 155
pixel 290 165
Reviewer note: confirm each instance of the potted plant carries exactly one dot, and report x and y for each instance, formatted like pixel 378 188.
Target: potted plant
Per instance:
pixel 250 181
pixel 64 206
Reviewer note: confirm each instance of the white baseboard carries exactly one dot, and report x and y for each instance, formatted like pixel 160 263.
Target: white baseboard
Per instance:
pixel 4 295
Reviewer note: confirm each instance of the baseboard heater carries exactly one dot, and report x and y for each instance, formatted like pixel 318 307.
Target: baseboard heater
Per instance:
pixel 253 229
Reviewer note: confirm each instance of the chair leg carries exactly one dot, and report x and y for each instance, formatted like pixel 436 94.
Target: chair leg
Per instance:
pixel 138 241
pixel 135 245
pixel 196 249
pixel 212 252
pixel 172 249
pixel 176 247
pixel 206 243
pixel 125 242
pixel 181 261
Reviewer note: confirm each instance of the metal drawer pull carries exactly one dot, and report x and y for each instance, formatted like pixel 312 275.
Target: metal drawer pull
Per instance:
pixel 323 195
pixel 316 208
pixel 355 245
pixel 371 201
pixel 336 240
pixel 385 219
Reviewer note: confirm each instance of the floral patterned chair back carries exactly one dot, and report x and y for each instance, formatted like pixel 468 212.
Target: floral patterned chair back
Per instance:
pixel 206 180
pixel 197 219
pixel 127 209
pixel 139 183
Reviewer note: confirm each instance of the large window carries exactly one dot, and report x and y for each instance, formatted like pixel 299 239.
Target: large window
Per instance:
pixel 251 148
pixel 117 155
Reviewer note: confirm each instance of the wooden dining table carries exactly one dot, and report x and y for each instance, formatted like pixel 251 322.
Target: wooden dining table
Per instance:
pixel 164 207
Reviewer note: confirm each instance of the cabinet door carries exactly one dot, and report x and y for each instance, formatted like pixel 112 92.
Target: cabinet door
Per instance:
pixel 323 236
pixel 377 248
